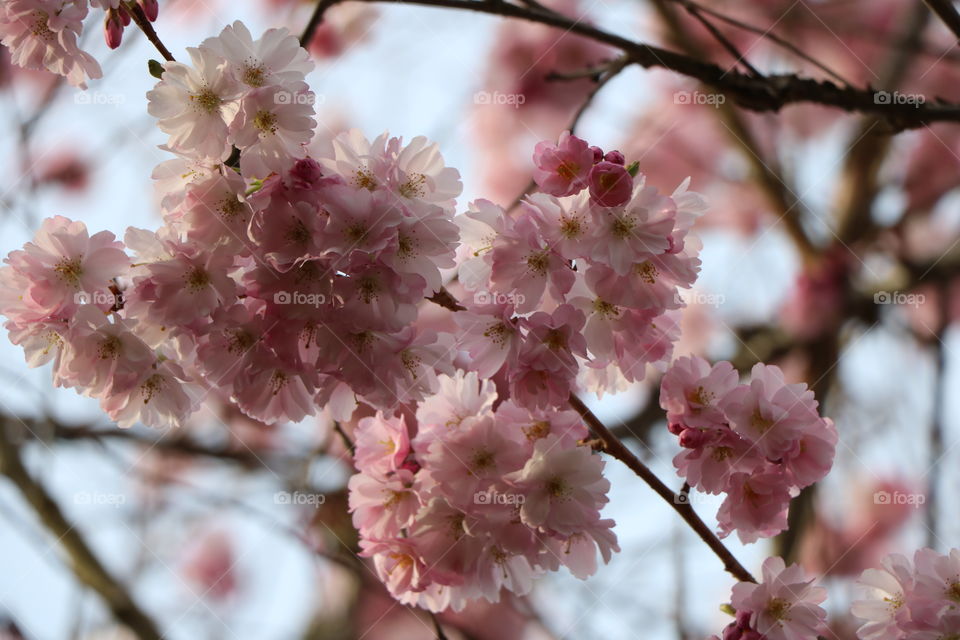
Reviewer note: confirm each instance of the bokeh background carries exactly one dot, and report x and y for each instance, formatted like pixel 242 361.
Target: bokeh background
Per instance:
pixel 830 249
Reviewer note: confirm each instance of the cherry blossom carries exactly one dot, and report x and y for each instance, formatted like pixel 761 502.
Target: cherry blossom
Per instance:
pixel 43 34
pixel 784 605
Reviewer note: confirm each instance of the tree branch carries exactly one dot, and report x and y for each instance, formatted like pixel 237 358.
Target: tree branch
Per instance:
pixel 85 565
pixel 140 18
pixel 616 448
pixel 765 93
pixel 947 13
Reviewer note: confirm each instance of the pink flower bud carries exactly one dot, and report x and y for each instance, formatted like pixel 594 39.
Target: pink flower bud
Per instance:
pixel 113 29
pixel 692 438
pixel 151 9
pixel 124 15
pixel 305 173
pixel 675 428
pixel 615 157
pixel 597 154
pixel 610 184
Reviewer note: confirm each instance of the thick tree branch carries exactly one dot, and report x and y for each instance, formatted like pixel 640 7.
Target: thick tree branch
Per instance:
pixel 87 567
pixel 613 446
pixel 765 93
pixel 947 13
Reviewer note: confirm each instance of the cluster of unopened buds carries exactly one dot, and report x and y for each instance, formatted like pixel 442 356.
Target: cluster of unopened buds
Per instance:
pixel 759 443
pixel 289 278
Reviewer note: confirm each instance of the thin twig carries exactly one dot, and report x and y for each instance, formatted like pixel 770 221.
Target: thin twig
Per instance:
pixel 316 18
pixel 766 34
pixel 605 74
pixel 738 57
pixel 141 20
pixel 616 448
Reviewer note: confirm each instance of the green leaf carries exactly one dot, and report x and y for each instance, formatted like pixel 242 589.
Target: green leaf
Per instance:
pixel 155 68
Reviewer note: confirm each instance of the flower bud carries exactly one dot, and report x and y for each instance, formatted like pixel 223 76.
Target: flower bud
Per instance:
pixel 615 157
pixel 113 28
pixel 692 438
pixel 597 154
pixel 151 9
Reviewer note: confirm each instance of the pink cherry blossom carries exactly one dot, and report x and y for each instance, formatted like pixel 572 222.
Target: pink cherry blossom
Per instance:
pixel 784 605
pixel 194 104
pixel 64 267
pixel 271 128
pixel 610 184
pixel 691 391
pixel 43 34
pixel 275 58
pixel 562 169
pixel 770 412
pixel 562 486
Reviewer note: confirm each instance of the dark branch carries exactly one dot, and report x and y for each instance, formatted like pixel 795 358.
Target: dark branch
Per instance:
pixel 765 93
pixel 680 504
pixel 86 566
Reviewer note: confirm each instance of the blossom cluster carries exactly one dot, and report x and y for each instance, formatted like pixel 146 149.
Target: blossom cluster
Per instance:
pixel 568 292
pixel 289 275
pixel 283 294
pixel 784 605
pixel 463 500
pixel 759 443
pixel 918 600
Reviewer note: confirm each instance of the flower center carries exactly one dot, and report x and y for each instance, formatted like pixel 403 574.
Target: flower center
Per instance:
pixel 414 187
pixel 538 262
pixel 778 609
pixel 69 270
pixel 568 170
pixel 41 29
pixel 197 279
pixel 364 179
pixel 557 487
pixel 254 74
pixel 207 101
pixel 537 430
pixel 647 272
pixel 265 121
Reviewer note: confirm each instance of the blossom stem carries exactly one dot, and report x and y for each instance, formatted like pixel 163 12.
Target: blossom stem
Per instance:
pixel 616 448
pixel 140 18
